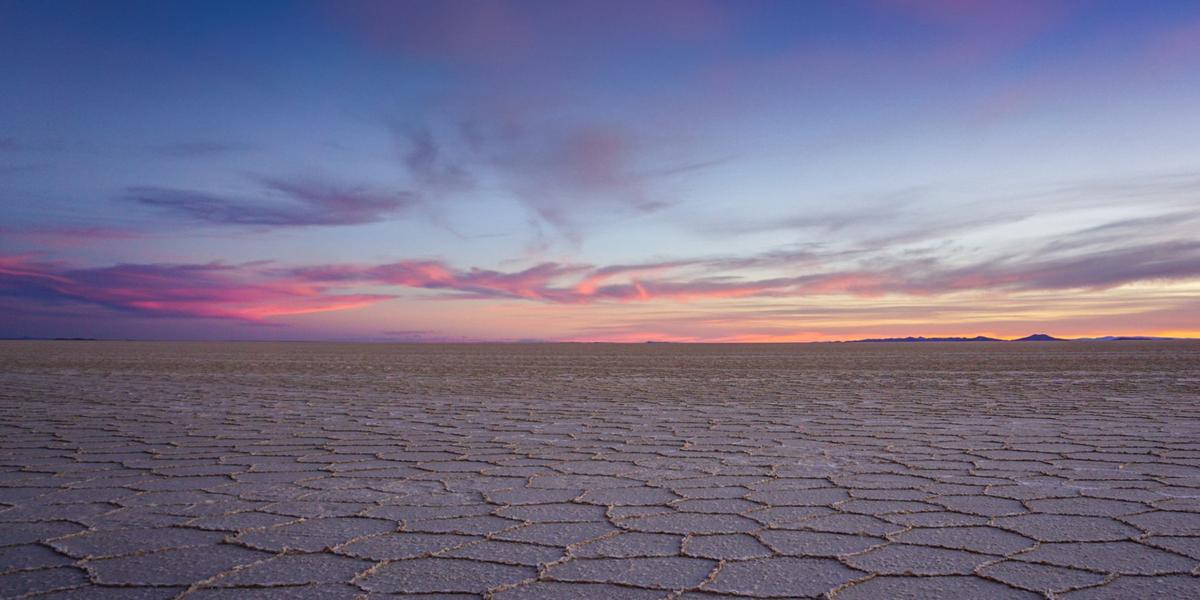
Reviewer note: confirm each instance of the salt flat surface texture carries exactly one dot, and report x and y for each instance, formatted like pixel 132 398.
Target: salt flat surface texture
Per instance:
pixel 162 470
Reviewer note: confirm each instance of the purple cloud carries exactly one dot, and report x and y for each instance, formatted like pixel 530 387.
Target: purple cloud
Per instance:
pixel 257 292
pixel 214 291
pixel 583 284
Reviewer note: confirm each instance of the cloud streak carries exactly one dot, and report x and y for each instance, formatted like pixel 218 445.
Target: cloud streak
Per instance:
pixel 304 204
pixel 569 175
pixel 211 291
pixel 258 293
pixel 676 281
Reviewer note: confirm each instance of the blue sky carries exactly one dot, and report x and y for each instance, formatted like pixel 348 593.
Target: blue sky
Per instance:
pixel 707 171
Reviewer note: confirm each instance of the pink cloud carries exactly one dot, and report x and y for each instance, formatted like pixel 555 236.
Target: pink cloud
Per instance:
pixel 169 290
pixel 534 283
pixel 1098 268
pixel 259 292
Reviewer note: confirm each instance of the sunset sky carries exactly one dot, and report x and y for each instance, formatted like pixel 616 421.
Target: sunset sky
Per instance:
pixel 599 171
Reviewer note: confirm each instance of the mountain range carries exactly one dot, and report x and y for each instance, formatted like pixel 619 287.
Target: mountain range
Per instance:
pixel 1037 337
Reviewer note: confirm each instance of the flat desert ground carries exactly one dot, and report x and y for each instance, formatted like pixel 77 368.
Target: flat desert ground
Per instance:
pixel 305 470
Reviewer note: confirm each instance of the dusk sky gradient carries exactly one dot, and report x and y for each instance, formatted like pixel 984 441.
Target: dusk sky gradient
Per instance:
pixel 599 171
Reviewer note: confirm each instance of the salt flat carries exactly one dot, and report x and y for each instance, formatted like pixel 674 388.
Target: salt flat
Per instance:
pixel 253 470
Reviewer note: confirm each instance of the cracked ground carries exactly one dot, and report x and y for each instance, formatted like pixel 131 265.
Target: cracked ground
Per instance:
pixel 659 471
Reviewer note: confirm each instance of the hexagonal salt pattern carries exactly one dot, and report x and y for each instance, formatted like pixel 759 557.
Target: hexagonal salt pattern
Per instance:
pixel 140 471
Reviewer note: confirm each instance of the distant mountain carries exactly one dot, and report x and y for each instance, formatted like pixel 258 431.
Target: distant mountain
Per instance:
pixel 1126 338
pixel 1039 337
pixel 978 338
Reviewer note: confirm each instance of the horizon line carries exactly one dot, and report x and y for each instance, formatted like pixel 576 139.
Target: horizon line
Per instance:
pixel 889 341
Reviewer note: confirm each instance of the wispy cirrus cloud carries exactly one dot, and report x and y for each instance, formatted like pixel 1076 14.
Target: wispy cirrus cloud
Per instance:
pixel 292 203
pixel 1175 225
pixel 931 215
pixel 258 293
pixel 523 133
pixel 888 211
pixel 565 174
pixel 533 283
pixel 689 280
pixel 1097 269
pixel 569 175
pixel 1094 258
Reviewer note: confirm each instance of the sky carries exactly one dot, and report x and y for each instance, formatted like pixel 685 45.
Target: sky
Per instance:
pixel 616 170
